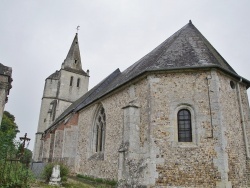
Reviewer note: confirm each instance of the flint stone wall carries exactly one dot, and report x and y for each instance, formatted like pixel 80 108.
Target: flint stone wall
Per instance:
pixel 107 166
pixel 215 158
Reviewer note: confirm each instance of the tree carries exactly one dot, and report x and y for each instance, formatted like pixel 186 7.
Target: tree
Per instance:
pixel 8 123
pixel 26 157
pixel 18 174
pixel 7 135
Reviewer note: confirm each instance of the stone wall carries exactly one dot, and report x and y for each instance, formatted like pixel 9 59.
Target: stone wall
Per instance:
pixel 58 90
pixel 58 145
pixel 181 164
pixel 46 148
pixel 72 93
pixel 232 120
pixel 5 86
pixel 51 88
pixel 141 139
pixel 217 155
pixel 62 142
pixel 45 118
pixel 107 167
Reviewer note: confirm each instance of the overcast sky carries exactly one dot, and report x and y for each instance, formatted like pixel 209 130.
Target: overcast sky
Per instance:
pixel 35 37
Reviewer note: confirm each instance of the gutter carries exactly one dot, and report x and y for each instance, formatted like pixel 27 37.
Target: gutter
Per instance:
pixel 171 69
pixel 147 72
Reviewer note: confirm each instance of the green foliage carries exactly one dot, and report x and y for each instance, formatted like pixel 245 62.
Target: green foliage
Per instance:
pixel 13 174
pixel 98 180
pixel 47 171
pixel 27 156
pixel 7 136
pixel 8 122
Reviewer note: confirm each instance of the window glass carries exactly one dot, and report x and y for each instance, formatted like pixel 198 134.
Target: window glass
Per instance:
pixel 184 126
pixel 100 123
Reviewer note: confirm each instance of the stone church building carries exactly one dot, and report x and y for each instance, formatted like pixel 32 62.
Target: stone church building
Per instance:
pixel 178 117
pixel 5 86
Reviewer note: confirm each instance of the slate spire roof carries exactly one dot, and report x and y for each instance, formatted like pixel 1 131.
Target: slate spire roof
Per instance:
pixel 73 60
pixel 185 49
pixel 72 63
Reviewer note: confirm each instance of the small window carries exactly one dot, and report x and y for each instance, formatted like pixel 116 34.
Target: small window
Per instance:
pixel 232 84
pixel 78 82
pixel 71 80
pixel 75 61
pixel 184 126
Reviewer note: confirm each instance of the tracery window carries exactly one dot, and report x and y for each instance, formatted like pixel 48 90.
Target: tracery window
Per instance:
pixel 99 130
pixel 184 126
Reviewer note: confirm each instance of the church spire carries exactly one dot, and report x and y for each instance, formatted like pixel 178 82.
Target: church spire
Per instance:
pixel 73 59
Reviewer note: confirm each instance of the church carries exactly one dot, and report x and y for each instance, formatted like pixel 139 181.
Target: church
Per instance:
pixel 178 117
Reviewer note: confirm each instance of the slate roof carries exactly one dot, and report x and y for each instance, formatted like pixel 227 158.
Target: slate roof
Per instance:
pixel 185 49
pixel 69 63
pixel 55 75
pixel 88 97
pixel 74 55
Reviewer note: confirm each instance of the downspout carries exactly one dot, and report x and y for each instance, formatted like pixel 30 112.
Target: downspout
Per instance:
pixel 210 110
pixel 63 143
pixel 242 118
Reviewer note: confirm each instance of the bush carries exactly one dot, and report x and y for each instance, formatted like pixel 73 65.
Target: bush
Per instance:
pixel 15 175
pixel 47 171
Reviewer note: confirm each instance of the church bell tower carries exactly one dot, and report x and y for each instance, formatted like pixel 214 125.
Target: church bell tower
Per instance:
pixel 61 89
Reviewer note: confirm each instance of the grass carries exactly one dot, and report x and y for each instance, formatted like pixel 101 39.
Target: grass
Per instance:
pixel 104 182
pixel 80 181
pixel 70 184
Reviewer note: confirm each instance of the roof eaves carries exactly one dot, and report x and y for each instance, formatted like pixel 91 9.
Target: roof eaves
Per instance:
pixel 169 69
pixel 73 107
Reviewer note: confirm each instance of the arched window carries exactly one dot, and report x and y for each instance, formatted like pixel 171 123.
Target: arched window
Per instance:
pixel 184 126
pixel 71 80
pixel 78 82
pixel 99 130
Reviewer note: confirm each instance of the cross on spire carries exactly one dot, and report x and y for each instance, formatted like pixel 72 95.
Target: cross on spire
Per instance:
pixel 77 28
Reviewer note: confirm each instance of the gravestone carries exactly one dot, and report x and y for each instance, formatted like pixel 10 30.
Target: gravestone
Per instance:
pixel 55 178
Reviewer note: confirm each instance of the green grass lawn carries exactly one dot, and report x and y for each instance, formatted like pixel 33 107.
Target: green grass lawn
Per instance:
pixel 74 182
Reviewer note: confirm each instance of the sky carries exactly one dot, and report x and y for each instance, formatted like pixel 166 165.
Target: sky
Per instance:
pixel 35 37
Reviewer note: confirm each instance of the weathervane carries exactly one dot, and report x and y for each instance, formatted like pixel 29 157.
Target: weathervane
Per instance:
pixel 77 28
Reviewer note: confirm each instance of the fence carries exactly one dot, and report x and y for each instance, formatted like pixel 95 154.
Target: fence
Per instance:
pixel 14 164
pixel 37 169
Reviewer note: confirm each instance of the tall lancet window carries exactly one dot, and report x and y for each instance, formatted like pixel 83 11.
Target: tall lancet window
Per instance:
pixel 71 81
pixel 78 82
pixel 184 126
pixel 99 130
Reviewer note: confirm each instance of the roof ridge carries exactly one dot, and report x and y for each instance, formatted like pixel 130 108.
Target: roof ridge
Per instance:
pixel 175 37
pixel 214 51
pixel 134 65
